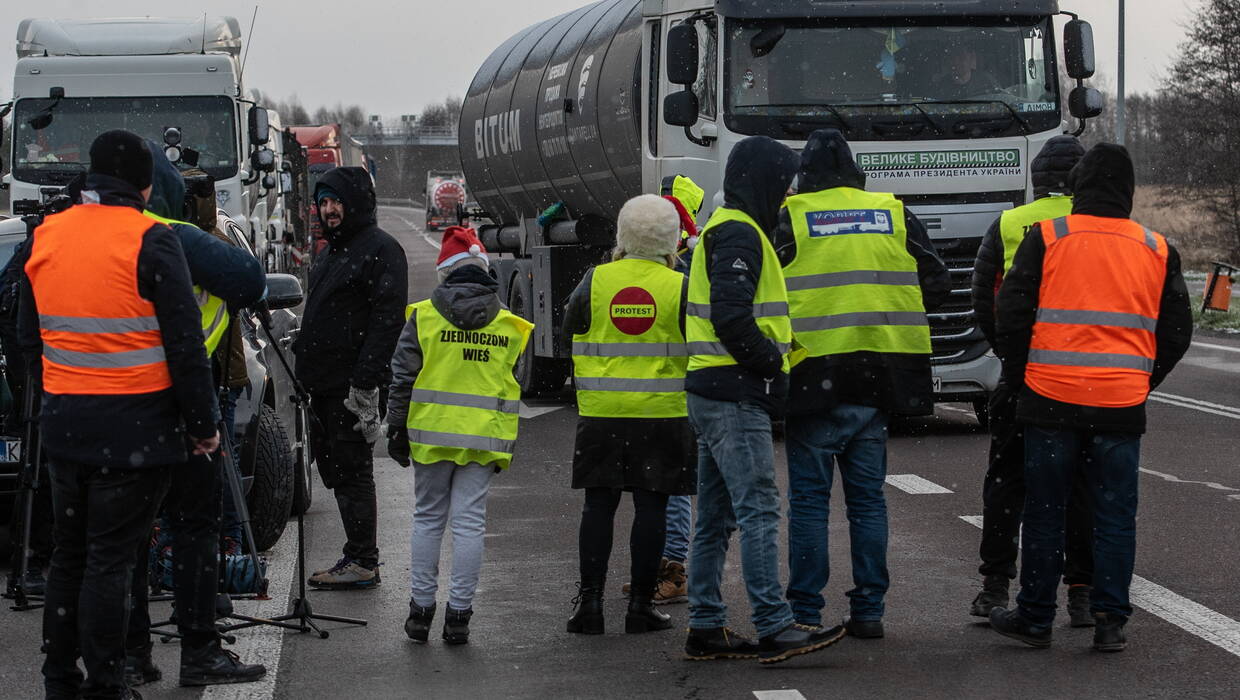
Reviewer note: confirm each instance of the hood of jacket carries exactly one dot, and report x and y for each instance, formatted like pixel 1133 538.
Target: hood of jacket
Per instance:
pixel 1103 182
pixel 756 179
pixel 827 162
pixel 167 186
pixel 357 194
pixel 467 298
pixel 113 191
pixel 1051 169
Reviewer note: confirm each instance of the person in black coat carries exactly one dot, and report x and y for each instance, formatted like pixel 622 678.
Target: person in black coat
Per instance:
pixel 354 314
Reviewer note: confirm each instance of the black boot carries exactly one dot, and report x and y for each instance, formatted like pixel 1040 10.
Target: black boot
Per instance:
pixel 213 665
pixel 1010 623
pixel 588 611
pixel 1109 632
pixel 643 617
pixel 456 625
pixel 140 669
pixel 718 643
pixel 1078 606
pixel 418 624
pixel 994 595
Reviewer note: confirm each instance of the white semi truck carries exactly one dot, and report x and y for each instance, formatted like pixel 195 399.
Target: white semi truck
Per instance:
pixel 945 104
pixel 175 81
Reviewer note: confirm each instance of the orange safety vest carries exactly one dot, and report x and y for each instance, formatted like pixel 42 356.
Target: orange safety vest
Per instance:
pixel 99 335
pixel 1102 283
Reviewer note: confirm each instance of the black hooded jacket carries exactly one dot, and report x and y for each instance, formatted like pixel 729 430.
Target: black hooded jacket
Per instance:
pixel 755 181
pixel 132 430
pixel 358 292
pixel 1103 184
pixel 898 383
pixel 1050 171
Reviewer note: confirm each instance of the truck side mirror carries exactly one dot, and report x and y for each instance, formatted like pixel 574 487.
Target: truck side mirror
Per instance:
pixel 263 160
pixel 1078 49
pixel 682 55
pixel 260 128
pixel 1085 102
pixel 681 108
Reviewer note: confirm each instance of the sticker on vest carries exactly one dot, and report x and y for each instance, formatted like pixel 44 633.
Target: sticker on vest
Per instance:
pixel 849 221
pixel 633 311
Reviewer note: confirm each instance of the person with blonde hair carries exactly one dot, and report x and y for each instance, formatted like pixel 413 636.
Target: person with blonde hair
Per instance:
pixel 627 318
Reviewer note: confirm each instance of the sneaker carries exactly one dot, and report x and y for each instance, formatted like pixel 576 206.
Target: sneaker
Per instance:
pixel 1078 606
pixel 418 624
pixel 794 640
pixel 864 629
pixel 140 669
pixel 215 665
pixel 347 574
pixel 994 595
pixel 1010 623
pixel 343 561
pixel 1109 632
pixel 673 584
pixel 718 643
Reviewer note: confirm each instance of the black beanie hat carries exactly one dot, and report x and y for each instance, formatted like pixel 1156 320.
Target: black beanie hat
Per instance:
pixel 122 155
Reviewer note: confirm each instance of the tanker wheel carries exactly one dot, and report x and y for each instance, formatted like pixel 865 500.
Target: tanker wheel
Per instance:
pixel 536 375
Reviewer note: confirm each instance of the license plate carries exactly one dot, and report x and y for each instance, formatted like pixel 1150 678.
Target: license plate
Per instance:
pixel 937 384
pixel 10 450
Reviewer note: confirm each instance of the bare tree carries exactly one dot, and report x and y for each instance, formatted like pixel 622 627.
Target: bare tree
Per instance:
pixel 1202 96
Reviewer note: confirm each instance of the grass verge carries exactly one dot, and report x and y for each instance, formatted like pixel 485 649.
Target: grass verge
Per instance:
pixel 1225 321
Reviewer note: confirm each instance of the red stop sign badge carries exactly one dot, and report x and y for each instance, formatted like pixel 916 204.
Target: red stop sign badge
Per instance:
pixel 633 311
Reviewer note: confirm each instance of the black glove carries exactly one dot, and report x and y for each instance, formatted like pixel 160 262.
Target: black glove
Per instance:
pixel 398 445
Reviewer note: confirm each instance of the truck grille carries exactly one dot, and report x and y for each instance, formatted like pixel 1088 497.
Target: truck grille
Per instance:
pixel 954 335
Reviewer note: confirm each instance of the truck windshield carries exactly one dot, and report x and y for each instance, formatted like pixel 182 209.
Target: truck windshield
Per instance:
pixel 56 153
pixel 913 81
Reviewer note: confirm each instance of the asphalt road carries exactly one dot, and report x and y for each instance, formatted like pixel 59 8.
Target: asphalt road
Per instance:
pixel 1184 638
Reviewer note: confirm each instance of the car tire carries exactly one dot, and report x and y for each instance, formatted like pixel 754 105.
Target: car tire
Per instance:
pixel 271 493
pixel 303 462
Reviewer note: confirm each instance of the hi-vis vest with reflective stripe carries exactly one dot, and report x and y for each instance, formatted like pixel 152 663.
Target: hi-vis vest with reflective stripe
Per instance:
pixel 1013 223
pixel 631 363
pixel 853 286
pixel 770 302
pixel 1102 283
pixel 99 335
pixel 465 402
pixel 214 311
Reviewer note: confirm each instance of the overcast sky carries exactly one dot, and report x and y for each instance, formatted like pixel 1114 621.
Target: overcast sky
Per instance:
pixel 393 58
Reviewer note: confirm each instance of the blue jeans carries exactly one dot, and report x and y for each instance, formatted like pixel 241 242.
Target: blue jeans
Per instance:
pixel 679 521
pixel 736 487
pixel 1110 462
pixel 855 438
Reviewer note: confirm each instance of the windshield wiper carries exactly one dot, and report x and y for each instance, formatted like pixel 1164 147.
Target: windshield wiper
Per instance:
pixel 1016 118
pixel 808 119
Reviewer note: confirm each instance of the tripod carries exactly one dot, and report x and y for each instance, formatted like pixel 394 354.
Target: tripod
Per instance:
pixel 32 466
pixel 303 617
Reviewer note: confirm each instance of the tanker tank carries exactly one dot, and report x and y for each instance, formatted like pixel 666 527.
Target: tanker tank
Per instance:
pixel 553 116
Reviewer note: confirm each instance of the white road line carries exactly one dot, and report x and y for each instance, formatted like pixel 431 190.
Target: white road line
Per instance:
pixel 528 411
pixel 263 644
pixel 1196 404
pixel 778 695
pixel 911 483
pixel 1212 346
pixel 1188 615
pixel 1208 484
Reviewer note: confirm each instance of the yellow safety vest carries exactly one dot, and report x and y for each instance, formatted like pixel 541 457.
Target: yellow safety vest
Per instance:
pixel 1013 223
pixel 687 192
pixel 465 402
pixel 213 309
pixel 853 286
pixel 631 363
pixel 770 303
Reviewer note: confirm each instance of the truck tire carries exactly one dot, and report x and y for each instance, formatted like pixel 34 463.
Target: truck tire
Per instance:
pixel 981 408
pixel 536 375
pixel 271 494
pixel 303 462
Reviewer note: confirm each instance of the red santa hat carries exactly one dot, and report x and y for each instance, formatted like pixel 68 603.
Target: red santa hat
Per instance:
pixel 460 243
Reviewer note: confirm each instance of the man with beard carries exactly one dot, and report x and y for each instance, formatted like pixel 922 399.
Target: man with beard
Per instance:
pixel 353 317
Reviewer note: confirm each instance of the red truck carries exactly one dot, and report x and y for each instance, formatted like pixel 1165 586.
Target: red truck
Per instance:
pixel 327 146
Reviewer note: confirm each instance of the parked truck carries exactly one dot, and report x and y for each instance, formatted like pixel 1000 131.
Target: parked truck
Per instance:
pixel 175 81
pixel 446 197
pixel 945 104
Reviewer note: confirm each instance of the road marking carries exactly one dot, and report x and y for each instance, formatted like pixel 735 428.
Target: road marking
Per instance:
pixel 1212 346
pixel 1196 405
pixel 1188 615
pixel 911 483
pixel 528 411
pixel 778 695
pixel 1208 484
pixel 263 644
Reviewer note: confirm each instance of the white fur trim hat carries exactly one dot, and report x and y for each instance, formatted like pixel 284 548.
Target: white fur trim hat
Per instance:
pixel 460 243
pixel 648 226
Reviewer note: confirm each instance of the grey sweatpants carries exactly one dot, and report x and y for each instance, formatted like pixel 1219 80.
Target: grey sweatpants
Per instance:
pixel 444 494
